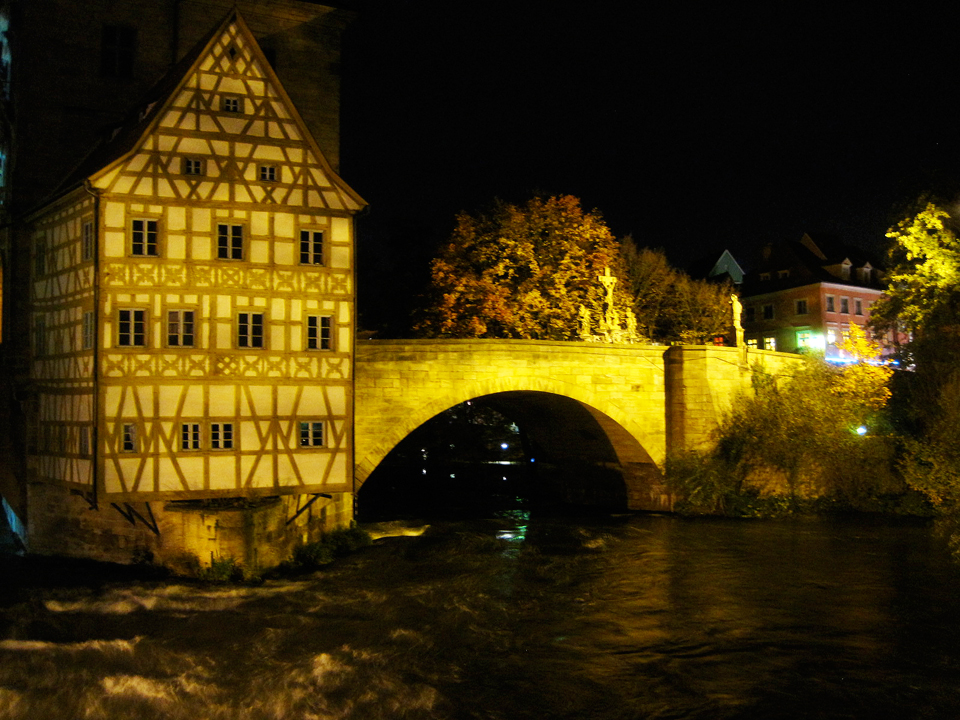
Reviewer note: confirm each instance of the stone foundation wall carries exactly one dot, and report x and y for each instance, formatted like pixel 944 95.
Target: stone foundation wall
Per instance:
pixel 259 536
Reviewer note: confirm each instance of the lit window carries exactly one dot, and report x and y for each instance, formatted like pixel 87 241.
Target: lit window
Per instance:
pixel 192 166
pixel 319 332
pixel 831 307
pixel 768 312
pixel 129 440
pixel 180 328
pixel 190 436
pixel 231 104
pixel 801 307
pixel 803 338
pixel 131 327
pixel 221 436
pixel 143 237
pixel 268 173
pixel 88 330
pixel 311 433
pixel 831 335
pixel 857 306
pixel 86 243
pixel 311 247
pixel 752 343
pixel 230 242
pixel 845 305
pixel 770 342
pixel 250 330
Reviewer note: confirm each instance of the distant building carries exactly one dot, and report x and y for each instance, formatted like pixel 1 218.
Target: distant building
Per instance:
pixel 806 294
pixel 717 269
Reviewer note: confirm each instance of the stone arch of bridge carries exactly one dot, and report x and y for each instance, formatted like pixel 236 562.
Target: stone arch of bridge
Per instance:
pixel 588 450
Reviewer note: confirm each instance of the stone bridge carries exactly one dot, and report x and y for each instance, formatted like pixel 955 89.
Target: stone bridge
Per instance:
pixel 598 418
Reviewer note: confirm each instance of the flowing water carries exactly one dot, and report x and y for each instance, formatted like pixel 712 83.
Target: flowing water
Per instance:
pixel 519 617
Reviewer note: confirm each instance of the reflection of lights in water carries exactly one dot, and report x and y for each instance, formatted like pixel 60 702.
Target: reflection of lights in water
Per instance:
pixel 453 475
pixel 424 471
pixel 862 430
pixel 515 535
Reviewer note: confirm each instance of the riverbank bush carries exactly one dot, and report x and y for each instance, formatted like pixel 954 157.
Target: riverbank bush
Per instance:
pixel 816 440
pixel 332 545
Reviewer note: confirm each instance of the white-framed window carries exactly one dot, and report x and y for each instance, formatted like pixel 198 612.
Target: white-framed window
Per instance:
pixel 845 305
pixel 268 173
pixel 144 234
pixel 768 312
pixel 231 103
pixel 190 436
pixel 131 327
pixel 86 241
pixel 804 338
pixel 319 332
pixel 129 442
pixel 180 328
pixel 229 242
pixel 857 306
pixel 311 433
pixel 250 330
pixel 769 342
pixel 801 307
pixel 221 436
pixel 311 247
pixel 193 166
pixel 89 331
pixel 752 343
pixel 831 303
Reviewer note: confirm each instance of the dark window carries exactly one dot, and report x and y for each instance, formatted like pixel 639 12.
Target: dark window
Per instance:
pixel 801 307
pixel 311 434
pixel 131 328
pixel 190 436
pixel 768 312
pixel 857 306
pixel 143 237
pixel 311 247
pixel 319 332
pixel 40 259
pixel 268 173
pixel 231 104
pixel 221 436
pixel 250 330
pixel 192 166
pixel 845 305
pixel 129 437
pixel 118 48
pixel 751 314
pixel 831 306
pixel 180 328
pixel 89 331
pixel 86 245
pixel 230 242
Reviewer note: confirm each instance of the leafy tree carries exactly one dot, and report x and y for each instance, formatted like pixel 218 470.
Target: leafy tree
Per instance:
pixel 522 271
pixel 669 305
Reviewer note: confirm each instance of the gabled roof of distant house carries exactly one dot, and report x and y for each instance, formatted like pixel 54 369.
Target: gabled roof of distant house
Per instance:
pixel 717 269
pixel 789 264
pixel 128 136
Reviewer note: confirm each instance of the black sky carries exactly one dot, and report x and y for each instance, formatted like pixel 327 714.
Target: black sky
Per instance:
pixel 692 128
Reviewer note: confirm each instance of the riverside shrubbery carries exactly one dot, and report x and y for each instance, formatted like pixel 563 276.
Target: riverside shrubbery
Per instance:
pixel 332 545
pixel 812 441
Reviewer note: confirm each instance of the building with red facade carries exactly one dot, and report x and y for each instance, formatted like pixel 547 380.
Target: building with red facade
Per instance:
pixel 806 294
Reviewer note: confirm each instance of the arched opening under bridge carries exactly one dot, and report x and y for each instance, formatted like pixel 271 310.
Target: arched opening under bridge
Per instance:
pixel 506 448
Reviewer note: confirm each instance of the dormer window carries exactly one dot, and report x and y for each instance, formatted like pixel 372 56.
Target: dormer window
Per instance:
pixel 845 270
pixel 764 276
pixel 783 274
pixel 231 104
pixel 865 273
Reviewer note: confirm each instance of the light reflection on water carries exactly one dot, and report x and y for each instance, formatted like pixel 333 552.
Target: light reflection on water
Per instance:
pixel 520 617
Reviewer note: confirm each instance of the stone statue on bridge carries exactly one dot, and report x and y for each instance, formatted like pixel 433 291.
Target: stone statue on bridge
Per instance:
pixel 609 328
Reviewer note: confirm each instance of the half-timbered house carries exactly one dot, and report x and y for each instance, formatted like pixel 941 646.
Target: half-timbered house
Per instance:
pixel 192 323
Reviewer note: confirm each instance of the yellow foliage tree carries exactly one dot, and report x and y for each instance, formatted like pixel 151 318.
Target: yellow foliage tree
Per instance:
pixel 522 271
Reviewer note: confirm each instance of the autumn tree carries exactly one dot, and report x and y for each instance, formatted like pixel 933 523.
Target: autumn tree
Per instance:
pixel 522 271
pixel 671 306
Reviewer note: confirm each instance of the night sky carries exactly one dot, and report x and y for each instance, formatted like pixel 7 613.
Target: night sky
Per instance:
pixel 693 129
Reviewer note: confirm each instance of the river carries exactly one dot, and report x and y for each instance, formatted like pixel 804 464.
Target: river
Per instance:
pixel 519 617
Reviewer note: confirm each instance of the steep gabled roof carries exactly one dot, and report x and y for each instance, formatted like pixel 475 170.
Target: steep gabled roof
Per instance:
pixel 148 116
